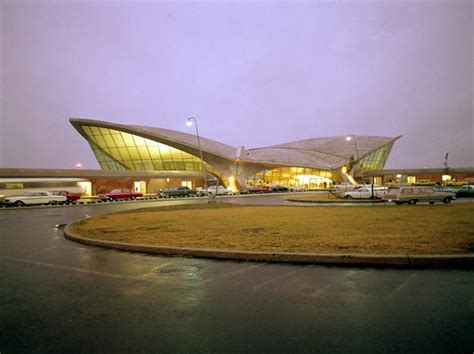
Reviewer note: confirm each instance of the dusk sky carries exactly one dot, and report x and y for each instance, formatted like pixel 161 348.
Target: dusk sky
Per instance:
pixel 254 73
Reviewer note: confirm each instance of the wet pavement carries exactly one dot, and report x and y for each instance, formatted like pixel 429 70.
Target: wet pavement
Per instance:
pixel 62 297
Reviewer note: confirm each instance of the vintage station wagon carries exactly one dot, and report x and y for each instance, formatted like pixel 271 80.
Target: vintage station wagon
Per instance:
pixel 415 194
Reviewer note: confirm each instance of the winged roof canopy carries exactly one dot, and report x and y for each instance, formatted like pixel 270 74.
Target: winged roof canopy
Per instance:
pixel 323 153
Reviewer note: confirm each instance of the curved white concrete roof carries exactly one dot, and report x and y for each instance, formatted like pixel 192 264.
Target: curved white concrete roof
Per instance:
pixel 325 153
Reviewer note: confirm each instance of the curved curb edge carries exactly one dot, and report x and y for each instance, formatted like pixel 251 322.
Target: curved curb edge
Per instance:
pixel 348 260
pixel 336 201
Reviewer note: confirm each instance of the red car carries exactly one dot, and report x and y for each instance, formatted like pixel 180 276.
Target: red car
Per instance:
pixel 70 197
pixel 258 189
pixel 118 194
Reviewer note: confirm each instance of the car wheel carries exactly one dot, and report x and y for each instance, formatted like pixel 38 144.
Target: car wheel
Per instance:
pixel 398 203
pixel 19 203
pixel 412 201
pixel 349 197
pixel 53 202
pixel 432 202
pixel 447 200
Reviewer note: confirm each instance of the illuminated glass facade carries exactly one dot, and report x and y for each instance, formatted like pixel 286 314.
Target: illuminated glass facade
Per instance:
pixel 309 178
pixel 118 150
pixel 375 160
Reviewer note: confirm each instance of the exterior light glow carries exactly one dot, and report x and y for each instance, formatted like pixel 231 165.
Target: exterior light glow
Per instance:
pixel 78 165
pixel 189 122
pixel 349 137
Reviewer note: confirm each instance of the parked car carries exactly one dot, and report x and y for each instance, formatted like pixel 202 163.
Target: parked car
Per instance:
pixel 220 190
pixel 35 198
pixel 70 197
pixel 120 194
pixel 365 193
pixel 279 188
pixel 415 194
pixel 297 189
pixel 175 192
pixel 256 189
pixel 465 191
pixel 455 183
pixel 424 182
pixel 450 189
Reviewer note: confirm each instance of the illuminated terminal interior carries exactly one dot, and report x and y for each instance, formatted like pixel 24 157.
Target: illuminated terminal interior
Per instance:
pixel 308 178
pixel 118 150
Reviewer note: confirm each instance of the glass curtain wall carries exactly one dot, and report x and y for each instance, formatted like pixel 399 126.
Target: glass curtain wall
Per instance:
pixel 376 159
pixel 308 178
pixel 117 150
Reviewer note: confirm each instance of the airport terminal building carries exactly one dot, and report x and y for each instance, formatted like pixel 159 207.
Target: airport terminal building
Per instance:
pixel 148 160
pixel 311 163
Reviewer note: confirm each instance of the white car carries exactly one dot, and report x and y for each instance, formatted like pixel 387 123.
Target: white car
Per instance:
pixel 35 198
pixel 220 190
pixel 365 193
pixel 297 189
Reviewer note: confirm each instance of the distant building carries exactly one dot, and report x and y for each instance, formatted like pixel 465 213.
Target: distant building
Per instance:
pixel 312 163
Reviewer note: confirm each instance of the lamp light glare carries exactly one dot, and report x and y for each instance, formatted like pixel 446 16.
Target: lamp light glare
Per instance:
pixel 348 138
pixel 78 165
pixel 189 123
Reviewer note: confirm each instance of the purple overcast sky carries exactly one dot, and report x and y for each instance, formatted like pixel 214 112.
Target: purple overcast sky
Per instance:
pixel 254 73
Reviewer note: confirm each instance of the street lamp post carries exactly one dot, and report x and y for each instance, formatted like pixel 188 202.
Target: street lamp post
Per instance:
pixel 350 137
pixel 189 122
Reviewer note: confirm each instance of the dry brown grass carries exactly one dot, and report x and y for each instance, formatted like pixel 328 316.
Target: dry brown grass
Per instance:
pixel 421 229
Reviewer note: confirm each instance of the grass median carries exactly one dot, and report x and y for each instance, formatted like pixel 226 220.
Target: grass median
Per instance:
pixel 407 230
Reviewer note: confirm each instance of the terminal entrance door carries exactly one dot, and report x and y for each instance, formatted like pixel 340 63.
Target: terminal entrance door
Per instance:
pixel 140 187
pixel 86 188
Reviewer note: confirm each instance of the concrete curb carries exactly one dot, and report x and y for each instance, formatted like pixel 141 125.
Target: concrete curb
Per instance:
pixel 336 201
pixel 348 260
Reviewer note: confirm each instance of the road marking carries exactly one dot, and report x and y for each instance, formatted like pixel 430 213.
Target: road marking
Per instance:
pixel 275 279
pixel 234 272
pixel 322 291
pixel 397 290
pixel 79 270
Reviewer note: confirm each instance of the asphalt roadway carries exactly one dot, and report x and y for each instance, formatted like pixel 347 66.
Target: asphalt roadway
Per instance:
pixel 57 296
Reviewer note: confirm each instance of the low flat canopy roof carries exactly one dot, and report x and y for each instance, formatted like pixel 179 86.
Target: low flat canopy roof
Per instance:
pixel 413 171
pixel 91 174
